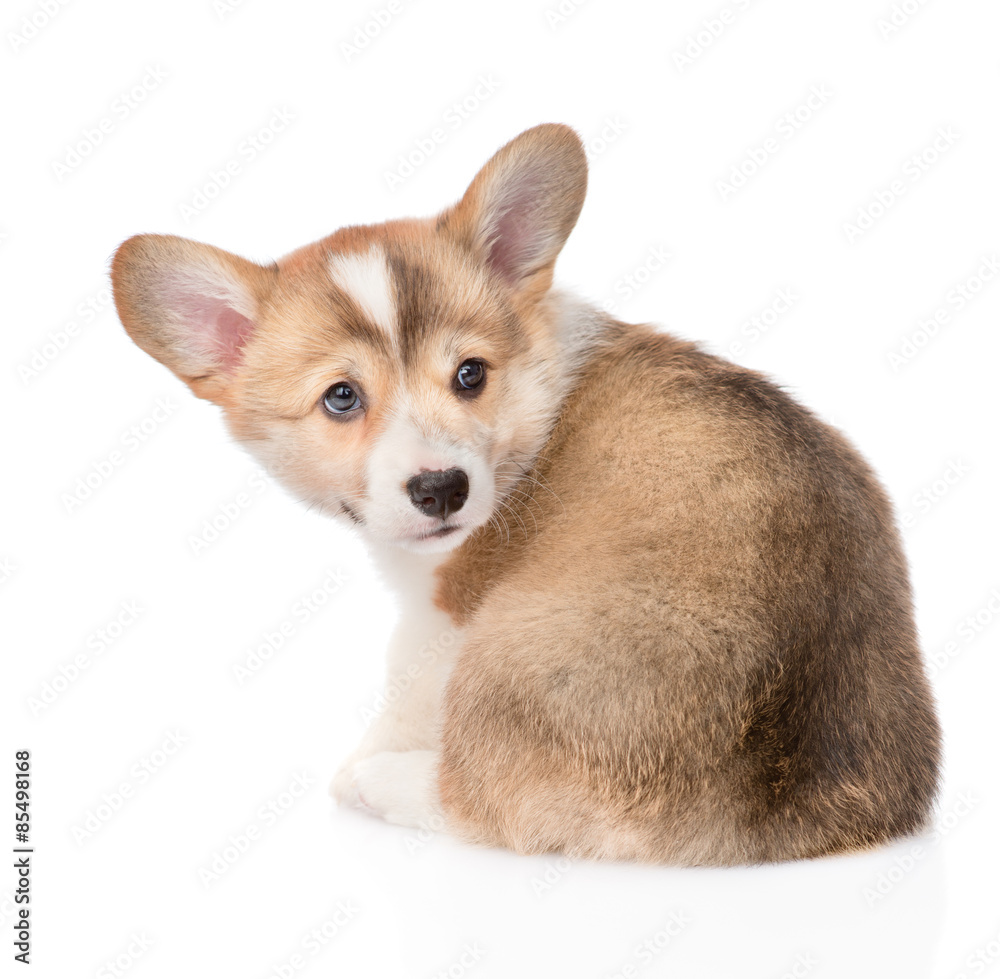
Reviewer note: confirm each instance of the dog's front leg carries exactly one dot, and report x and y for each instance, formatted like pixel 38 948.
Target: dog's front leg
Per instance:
pixel 420 656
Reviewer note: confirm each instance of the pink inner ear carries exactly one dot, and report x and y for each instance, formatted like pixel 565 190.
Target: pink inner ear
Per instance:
pixel 232 331
pixel 213 332
pixel 511 245
pixel 519 235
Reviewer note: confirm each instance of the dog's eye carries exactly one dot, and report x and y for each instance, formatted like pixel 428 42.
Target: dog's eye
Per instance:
pixel 340 399
pixel 470 376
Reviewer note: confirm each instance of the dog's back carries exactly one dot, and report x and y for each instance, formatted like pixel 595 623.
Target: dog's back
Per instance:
pixel 691 640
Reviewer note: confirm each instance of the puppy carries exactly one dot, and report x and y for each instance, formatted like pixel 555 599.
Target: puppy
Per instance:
pixel 652 608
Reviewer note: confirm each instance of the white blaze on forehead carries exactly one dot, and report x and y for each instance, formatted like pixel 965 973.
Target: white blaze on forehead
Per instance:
pixel 366 278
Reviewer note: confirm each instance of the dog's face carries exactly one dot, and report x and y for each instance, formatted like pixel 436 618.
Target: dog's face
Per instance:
pixel 392 380
pixel 405 374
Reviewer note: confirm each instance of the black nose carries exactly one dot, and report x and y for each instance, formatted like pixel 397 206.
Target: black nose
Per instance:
pixel 439 493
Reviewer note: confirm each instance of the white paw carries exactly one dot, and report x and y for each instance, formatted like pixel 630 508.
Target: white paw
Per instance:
pixel 399 786
pixel 340 787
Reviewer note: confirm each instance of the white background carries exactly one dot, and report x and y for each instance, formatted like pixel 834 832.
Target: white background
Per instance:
pixel 187 88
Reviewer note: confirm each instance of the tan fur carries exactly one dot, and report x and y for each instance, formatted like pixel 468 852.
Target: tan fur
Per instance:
pixel 688 624
pixel 702 651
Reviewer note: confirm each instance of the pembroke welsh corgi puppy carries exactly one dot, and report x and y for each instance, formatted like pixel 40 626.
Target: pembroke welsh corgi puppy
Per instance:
pixel 652 608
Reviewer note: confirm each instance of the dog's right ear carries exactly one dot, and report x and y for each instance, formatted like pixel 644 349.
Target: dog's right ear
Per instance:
pixel 517 213
pixel 189 305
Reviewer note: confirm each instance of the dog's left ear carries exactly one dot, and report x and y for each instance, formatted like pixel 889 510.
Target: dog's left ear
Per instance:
pixel 520 208
pixel 191 306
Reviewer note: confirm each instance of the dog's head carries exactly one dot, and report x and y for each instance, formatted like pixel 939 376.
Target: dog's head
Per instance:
pixel 402 374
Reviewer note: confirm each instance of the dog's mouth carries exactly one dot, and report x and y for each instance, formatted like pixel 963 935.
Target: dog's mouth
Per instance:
pixel 437 534
pixel 438 540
